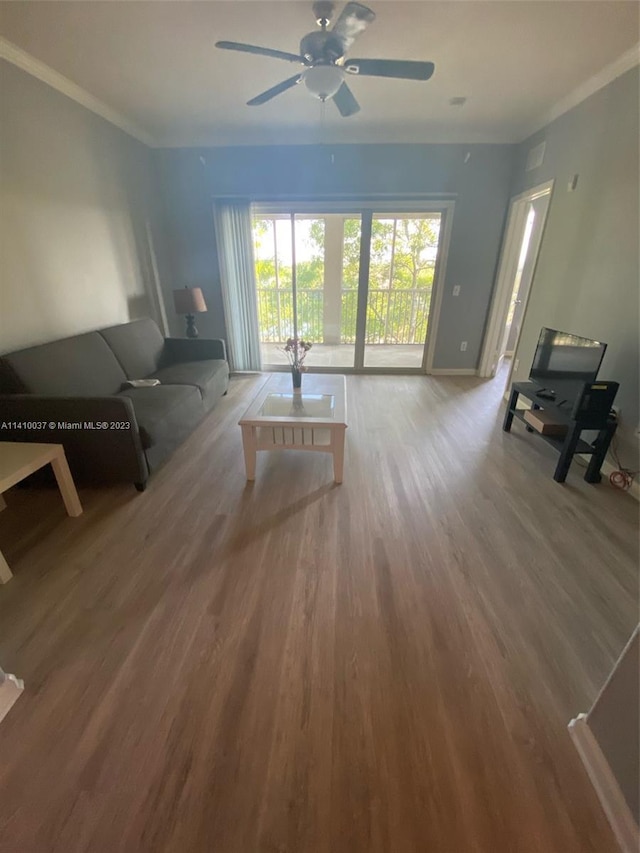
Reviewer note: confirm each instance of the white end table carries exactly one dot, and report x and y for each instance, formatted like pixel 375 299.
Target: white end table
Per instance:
pixel 20 459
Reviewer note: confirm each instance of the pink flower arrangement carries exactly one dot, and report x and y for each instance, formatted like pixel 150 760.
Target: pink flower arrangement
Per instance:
pixel 296 351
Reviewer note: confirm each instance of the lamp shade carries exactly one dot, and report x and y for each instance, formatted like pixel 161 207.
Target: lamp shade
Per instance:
pixel 189 300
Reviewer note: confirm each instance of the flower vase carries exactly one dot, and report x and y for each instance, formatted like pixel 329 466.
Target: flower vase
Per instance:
pixel 296 375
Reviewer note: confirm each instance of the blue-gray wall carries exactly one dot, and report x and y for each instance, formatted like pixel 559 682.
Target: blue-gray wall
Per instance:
pixel 587 280
pixel 614 721
pixel 77 197
pixel 480 189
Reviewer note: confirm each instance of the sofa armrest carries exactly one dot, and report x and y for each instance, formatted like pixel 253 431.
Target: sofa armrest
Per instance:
pixel 193 349
pixel 100 435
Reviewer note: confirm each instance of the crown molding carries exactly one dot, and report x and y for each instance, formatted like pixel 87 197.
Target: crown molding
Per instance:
pixel 249 137
pixel 28 63
pixel 625 62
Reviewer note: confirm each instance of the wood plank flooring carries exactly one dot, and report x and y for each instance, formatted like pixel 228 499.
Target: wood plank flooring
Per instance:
pixel 293 666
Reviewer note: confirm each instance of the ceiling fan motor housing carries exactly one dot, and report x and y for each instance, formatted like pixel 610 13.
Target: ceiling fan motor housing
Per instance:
pixel 321 47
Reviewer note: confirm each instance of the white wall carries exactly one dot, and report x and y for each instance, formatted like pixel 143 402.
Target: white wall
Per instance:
pixel 76 193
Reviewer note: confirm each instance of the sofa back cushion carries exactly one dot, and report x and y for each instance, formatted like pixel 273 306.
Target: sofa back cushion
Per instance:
pixel 137 346
pixel 81 366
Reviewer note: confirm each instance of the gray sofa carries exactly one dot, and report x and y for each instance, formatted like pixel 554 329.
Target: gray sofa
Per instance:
pixel 72 392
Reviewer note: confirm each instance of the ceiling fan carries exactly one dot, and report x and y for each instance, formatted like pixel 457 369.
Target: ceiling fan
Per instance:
pixel 323 55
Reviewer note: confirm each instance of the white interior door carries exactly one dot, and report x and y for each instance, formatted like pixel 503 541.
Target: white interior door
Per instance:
pixel 523 236
pixel 531 238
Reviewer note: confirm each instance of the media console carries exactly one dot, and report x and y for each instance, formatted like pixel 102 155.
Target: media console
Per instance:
pixel 590 411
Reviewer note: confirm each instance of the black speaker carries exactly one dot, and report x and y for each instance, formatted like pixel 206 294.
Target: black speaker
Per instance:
pixel 593 405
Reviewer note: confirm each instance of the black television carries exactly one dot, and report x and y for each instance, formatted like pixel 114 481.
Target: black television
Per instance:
pixel 563 363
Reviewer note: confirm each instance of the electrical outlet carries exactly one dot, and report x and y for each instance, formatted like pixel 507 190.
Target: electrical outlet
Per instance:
pixel 617 411
pixel 516 365
pixel 463 346
pixel 456 290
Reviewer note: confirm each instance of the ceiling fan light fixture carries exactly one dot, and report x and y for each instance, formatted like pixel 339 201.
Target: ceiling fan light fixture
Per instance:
pixel 323 81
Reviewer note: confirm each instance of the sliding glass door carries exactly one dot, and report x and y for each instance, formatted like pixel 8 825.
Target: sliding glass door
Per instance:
pixel 358 285
pixel 274 282
pixel 402 263
pixel 307 283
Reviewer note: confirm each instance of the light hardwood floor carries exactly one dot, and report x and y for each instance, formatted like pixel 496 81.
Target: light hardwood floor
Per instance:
pixel 293 666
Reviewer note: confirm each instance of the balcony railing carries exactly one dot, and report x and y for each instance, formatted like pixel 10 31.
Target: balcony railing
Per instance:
pixel 393 316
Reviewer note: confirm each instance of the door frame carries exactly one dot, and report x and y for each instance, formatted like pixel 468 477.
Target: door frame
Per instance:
pixel 367 208
pixel 507 266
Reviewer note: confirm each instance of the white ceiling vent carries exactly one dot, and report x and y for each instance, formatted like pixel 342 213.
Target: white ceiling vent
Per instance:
pixel 535 157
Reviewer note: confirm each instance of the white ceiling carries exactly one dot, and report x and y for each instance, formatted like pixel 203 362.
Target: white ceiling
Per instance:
pixel 155 64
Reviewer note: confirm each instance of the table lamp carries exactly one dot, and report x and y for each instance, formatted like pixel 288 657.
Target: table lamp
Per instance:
pixel 189 301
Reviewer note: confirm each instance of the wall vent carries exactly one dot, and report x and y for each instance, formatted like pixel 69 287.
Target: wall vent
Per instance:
pixel 535 157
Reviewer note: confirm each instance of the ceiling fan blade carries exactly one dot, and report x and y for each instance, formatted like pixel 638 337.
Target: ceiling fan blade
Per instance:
pixel 353 19
pixel 262 51
pixel 400 68
pixel 346 102
pixel 275 90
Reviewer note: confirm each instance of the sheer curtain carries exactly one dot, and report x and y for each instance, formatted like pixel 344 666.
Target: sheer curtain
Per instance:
pixel 237 274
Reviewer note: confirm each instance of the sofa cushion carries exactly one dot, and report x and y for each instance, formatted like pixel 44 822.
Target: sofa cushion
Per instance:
pixel 81 366
pixel 137 346
pixel 163 407
pixel 211 377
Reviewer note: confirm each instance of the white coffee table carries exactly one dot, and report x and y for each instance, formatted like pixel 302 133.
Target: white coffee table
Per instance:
pixel 18 460
pixel 314 420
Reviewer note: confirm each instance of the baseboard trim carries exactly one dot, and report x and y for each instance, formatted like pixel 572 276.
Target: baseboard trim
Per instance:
pixel 452 371
pixel 608 469
pixel 611 798
pixel 633 490
pixel 10 692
